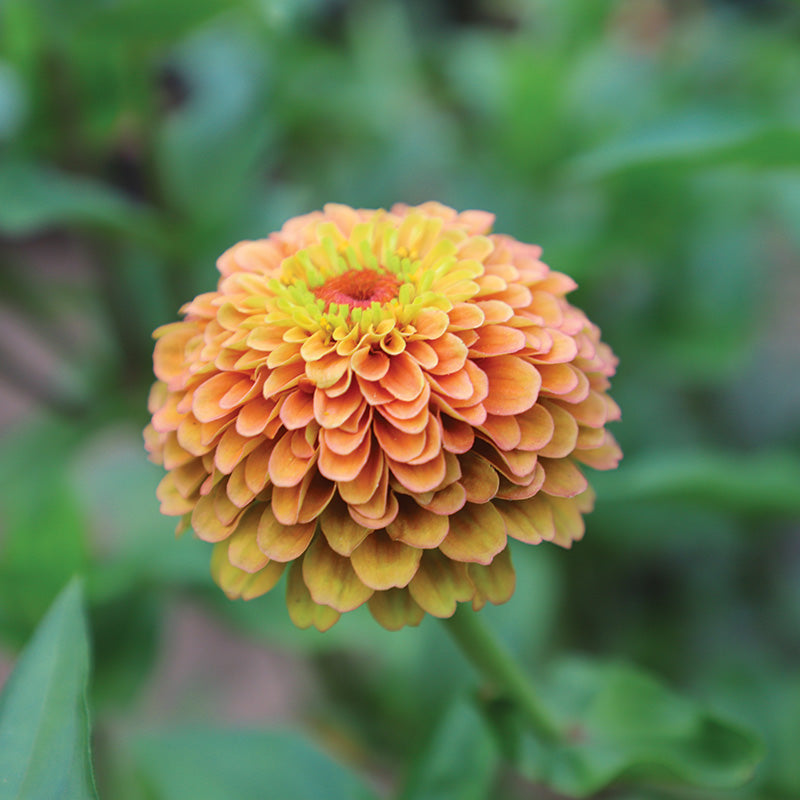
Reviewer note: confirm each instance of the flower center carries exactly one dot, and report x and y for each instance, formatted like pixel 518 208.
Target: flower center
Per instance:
pixel 359 288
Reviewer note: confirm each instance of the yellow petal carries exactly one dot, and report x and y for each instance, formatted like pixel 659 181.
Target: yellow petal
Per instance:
pixel 243 550
pixel 237 583
pixel 477 534
pixel 495 582
pixel 282 542
pixel 395 608
pixel 417 527
pixel 478 477
pixel 383 563
pixel 303 611
pixel 529 521
pixel 341 531
pixel 439 584
pixel 331 579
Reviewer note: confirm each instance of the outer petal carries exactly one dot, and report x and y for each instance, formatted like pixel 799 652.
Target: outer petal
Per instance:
pixel 331 579
pixel 477 534
pixel 237 583
pixel 383 563
pixel 303 611
pixel 395 608
pixel 439 584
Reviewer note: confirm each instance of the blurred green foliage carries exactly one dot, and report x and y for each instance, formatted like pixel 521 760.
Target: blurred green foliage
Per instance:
pixel 651 147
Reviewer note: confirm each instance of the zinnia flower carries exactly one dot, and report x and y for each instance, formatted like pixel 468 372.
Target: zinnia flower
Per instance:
pixel 379 400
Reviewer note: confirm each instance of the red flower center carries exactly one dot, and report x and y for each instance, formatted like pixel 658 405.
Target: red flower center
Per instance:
pixel 359 288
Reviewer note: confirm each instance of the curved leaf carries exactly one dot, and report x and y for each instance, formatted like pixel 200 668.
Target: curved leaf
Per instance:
pixel 623 724
pixel 44 721
pixel 217 764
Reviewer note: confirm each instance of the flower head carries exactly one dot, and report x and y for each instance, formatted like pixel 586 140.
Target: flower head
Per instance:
pixel 378 401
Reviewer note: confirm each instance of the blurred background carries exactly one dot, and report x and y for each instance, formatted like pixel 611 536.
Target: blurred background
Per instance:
pixel 652 147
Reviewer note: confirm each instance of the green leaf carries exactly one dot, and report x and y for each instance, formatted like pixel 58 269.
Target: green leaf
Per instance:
pixel 44 721
pixel 34 198
pixel 622 724
pixel 210 150
pixel 216 764
pixel 460 761
pixel 751 483
pixel 695 138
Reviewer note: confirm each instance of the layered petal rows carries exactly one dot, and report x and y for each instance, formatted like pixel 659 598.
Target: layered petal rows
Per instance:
pixel 378 401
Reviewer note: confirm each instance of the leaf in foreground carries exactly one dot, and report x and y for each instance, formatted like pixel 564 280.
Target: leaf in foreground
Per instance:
pixel 218 764
pixel 44 721
pixel 624 725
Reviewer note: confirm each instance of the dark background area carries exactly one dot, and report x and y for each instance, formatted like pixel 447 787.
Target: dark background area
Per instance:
pixel 652 148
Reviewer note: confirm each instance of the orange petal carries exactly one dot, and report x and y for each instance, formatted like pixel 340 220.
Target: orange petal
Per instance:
pixel 477 534
pixel 363 486
pixel 285 468
pixel 254 416
pixel 478 477
pixel 239 493
pixel 431 323
pixel 607 456
pixel 536 428
pixel 282 542
pixel 297 409
pixel 457 436
pixel 303 611
pixel 422 352
pixel 420 477
pixel 206 400
pixel 404 379
pixel 592 411
pixel 465 316
pixel 341 531
pixel 383 563
pixel 169 357
pixel 205 522
pixel 513 384
pixel 327 370
pixel 256 467
pixel 558 379
pixel 505 432
pixel 370 364
pixel 232 449
pixel 283 378
pixel 565 433
pixel 417 527
pixel 388 516
pixel 395 608
pixel 562 478
pixel 439 584
pixel 395 443
pixel 330 412
pixel 338 467
pixel 173 503
pixel 448 500
pixel 521 491
pixel 317 493
pixel 331 579
pixel 495 340
pixel 189 476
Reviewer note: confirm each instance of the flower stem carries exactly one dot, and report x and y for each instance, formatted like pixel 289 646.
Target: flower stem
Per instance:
pixel 496 664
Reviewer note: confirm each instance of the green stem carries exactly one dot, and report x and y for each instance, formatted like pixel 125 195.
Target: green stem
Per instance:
pixel 490 658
